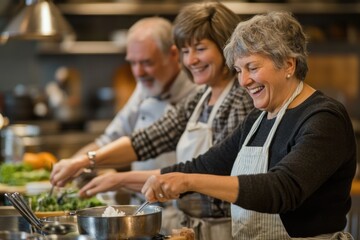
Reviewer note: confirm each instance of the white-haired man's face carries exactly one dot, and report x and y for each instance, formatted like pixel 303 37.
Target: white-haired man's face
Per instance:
pixel 149 65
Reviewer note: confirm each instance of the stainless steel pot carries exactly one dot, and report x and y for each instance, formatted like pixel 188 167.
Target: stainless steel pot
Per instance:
pixel 14 235
pixel 11 220
pixel 91 222
pixel 8 235
pixel 17 139
pixel 62 219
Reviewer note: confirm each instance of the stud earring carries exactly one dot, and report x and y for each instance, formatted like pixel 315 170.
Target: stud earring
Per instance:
pixel 288 76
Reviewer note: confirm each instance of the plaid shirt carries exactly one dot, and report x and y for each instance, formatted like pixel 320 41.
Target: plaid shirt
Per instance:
pixel 163 135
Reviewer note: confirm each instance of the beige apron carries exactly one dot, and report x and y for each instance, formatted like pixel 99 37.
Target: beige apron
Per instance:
pixel 197 139
pixel 247 224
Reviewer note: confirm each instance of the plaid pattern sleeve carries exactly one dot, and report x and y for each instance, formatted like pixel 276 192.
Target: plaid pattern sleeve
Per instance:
pixel 163 135
pixel 236 106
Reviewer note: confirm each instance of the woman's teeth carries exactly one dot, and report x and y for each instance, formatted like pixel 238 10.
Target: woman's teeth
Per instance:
pixel 256 90
pixel 199 69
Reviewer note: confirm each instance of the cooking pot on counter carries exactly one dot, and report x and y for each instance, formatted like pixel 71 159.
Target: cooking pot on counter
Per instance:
pixel 11 220
pixel 18 235
pixel 16 139
pixel 90 222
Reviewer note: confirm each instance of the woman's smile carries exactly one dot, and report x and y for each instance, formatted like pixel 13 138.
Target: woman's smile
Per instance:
pixel 198 69
pixel 256 90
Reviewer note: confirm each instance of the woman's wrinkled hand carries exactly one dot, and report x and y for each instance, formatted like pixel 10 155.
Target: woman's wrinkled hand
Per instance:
pixel 161 188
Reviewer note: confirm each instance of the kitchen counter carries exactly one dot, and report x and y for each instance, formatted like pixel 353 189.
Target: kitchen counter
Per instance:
pixel 5 188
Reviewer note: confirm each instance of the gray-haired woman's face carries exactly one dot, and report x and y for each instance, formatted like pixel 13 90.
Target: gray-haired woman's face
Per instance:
pixel 268 85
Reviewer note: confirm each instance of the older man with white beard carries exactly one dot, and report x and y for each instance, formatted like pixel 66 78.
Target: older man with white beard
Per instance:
pixel 154 61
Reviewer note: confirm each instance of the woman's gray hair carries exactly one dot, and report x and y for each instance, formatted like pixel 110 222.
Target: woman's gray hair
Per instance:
pixel 206 20
pixel 276 34
pixel 158 28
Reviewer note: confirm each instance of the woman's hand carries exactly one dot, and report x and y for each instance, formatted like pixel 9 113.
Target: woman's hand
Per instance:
pixel 165 187
pixel 168 186
pixel 112 181
pixel 66 170
pixel 106 182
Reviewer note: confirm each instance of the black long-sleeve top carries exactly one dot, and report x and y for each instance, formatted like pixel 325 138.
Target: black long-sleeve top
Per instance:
pixel 312 161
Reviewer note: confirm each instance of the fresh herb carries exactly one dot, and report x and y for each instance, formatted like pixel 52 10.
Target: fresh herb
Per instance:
pixel 18 174
pixel 68 201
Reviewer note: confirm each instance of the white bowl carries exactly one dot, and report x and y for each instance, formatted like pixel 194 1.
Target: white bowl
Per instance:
pixel 34 188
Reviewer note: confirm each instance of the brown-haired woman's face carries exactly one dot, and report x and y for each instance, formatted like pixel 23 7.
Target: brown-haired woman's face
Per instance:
pixel 204 61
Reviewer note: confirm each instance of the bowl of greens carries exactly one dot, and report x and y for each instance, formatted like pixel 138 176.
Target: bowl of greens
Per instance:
pixel 60 204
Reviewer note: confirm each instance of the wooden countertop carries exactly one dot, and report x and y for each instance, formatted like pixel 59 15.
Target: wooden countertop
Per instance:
pixel 5 188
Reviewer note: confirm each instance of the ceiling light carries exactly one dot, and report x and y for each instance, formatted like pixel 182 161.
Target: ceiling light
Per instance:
pixel 39 20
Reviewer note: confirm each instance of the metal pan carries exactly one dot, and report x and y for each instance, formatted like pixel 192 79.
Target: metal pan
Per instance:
pixel 90 222
pixel 11 220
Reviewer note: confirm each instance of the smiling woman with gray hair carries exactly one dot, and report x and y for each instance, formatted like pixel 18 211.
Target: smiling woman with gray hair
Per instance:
pixel 288 168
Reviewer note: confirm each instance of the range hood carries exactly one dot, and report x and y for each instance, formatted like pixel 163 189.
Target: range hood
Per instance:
pixel 38 20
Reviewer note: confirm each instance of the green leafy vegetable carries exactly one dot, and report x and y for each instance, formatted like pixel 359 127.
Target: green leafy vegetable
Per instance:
pixel 68 201
pixel 18 174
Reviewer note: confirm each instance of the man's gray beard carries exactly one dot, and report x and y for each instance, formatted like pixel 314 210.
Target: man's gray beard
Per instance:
pixel 154 91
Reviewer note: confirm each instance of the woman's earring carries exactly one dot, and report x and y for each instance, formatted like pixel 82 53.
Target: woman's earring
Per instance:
pixel 288 76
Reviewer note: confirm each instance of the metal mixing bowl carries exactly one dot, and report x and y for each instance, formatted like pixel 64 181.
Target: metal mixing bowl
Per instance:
pixel 91 222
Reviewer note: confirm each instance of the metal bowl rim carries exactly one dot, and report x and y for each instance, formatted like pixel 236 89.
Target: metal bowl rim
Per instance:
pixel 156 209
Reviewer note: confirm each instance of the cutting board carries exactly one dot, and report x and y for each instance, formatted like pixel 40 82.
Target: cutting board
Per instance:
pixel 6 188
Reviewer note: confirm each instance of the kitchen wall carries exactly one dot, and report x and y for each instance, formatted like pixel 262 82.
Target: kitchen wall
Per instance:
pixel 27 63
pixel 22 62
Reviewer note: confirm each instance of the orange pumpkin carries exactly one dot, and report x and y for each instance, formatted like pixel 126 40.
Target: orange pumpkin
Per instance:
pixel 39 160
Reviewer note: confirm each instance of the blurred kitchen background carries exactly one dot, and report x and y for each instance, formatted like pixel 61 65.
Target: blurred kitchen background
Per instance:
pixel 67 92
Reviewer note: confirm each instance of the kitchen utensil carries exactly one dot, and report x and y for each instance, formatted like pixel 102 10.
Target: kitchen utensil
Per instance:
pixel 19 203
pixel 91 222
pixel 48 228
pixel 141 207
pixel 52 186
pixel 66 193
pixel 51 191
